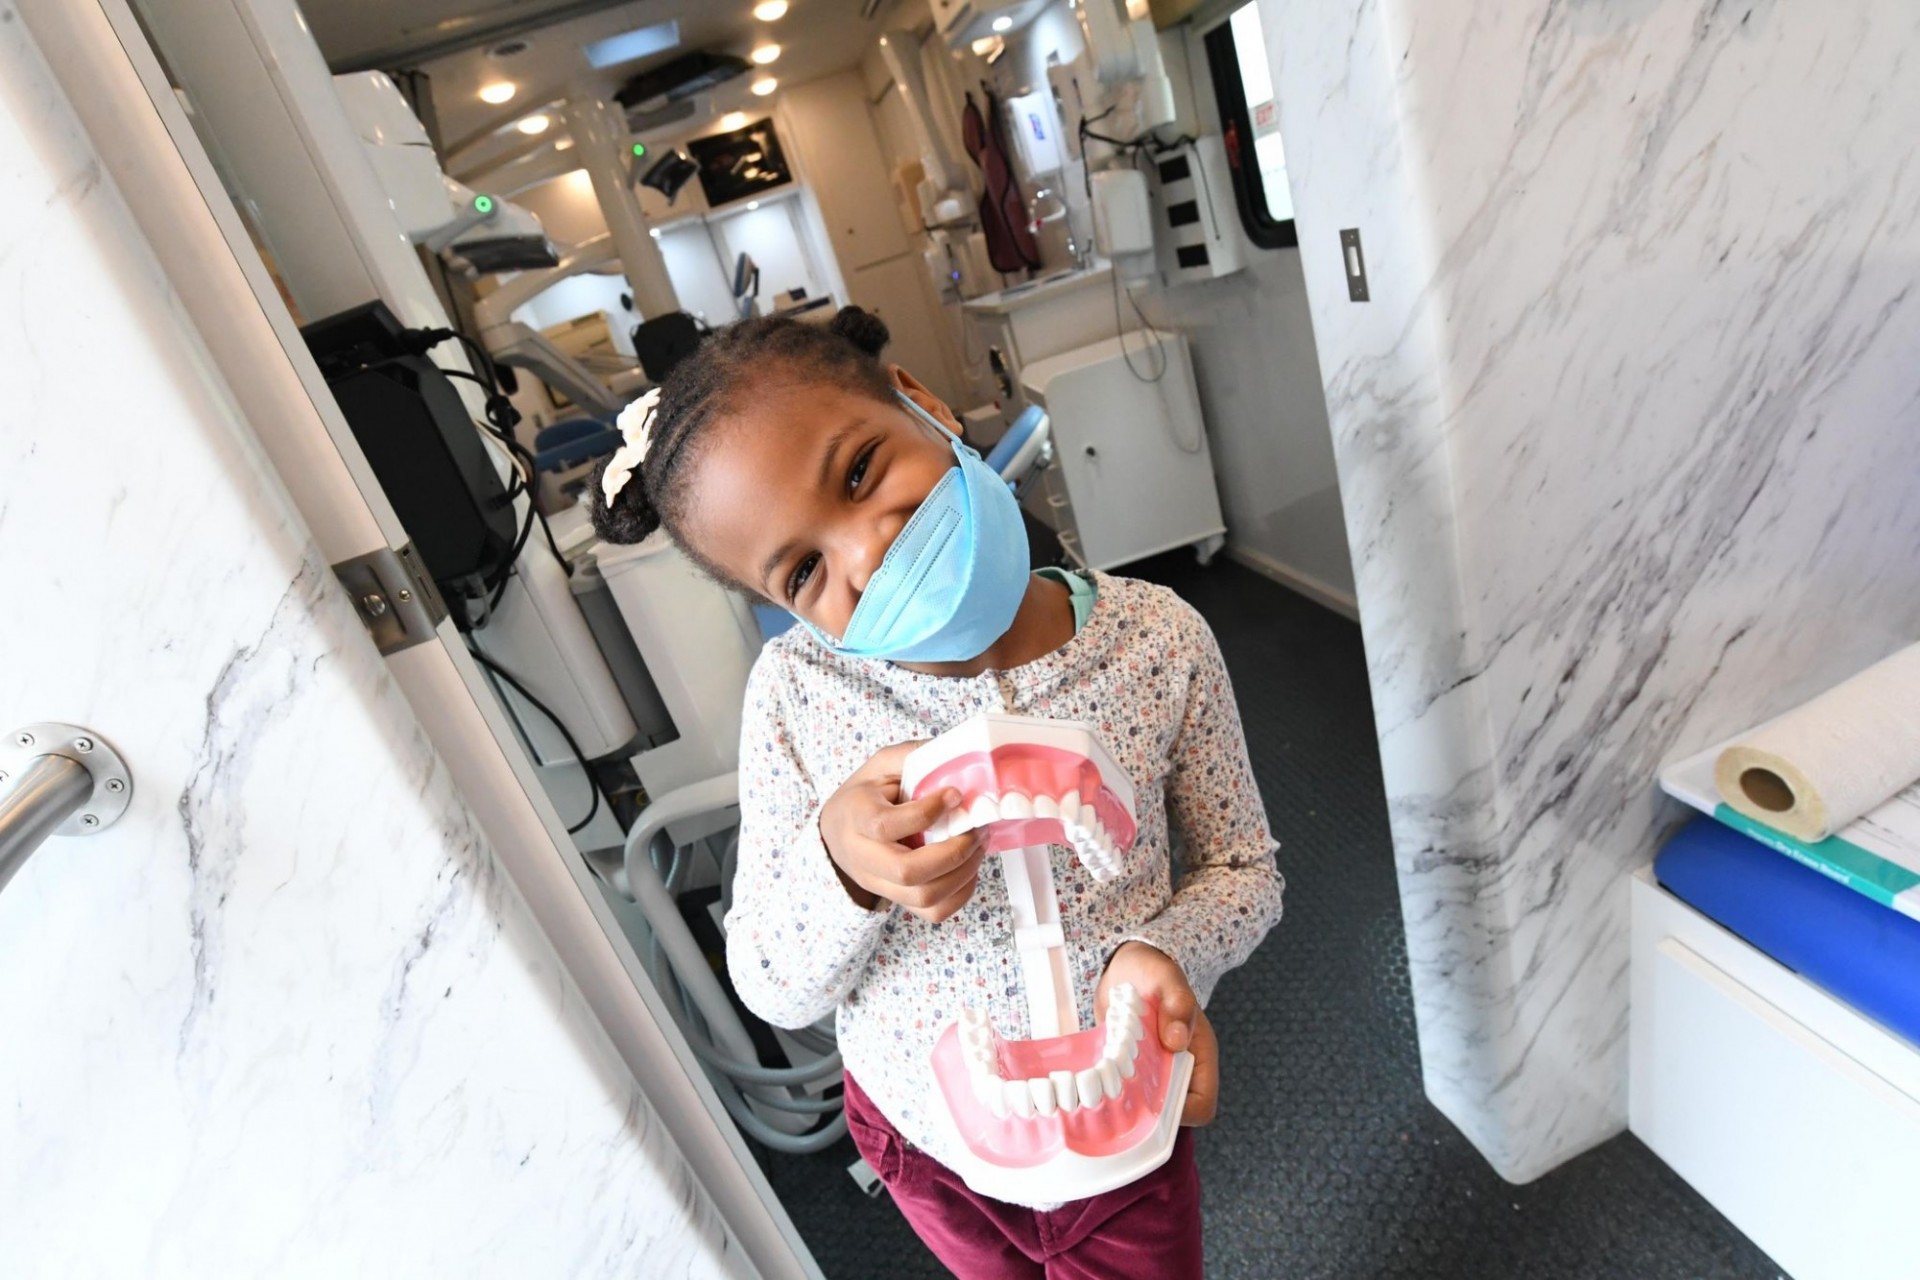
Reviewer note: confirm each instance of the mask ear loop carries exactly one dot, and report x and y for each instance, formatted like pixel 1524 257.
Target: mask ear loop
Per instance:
pixel 947 435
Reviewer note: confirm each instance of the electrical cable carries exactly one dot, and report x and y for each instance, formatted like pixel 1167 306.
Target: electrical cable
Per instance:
pixel 593 807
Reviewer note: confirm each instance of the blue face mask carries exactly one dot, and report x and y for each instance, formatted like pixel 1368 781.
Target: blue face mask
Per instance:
pixel 953 580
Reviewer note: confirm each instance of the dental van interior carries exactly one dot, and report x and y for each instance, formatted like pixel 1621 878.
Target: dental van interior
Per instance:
pixel 498 226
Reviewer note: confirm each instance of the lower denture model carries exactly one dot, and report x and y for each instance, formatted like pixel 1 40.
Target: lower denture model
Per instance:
pixel 1071 1113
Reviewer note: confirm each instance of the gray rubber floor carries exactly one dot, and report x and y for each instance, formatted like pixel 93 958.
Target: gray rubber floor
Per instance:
pixel 1327 1161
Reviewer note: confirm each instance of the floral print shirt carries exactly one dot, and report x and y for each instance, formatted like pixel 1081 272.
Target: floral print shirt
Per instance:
pixel 1146 671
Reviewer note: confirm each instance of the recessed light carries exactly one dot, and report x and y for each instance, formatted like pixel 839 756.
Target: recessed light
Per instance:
pixel 770 10
pixel 752 205
pixel 761 88
pixel 498 93
pixel 1003 23
pixel 630 45
pixel 562 144
pixel 766 53
pixel 534 124
pixel 983 47
pixel 509 49
pixel 733 120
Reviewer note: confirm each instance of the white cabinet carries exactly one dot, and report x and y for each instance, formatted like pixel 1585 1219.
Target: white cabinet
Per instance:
pixel 1132 474
pixel 1029 323
pixel 1793 1115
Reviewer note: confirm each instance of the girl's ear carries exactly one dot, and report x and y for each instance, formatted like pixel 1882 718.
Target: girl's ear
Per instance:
pixel 917 391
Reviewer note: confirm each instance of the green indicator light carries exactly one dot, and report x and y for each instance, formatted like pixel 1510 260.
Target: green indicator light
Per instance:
pixel 483 204
pixel 639 148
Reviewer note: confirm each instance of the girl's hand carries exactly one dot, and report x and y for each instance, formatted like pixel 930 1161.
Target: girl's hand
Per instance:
pixel 863 824
pixel 1183 1025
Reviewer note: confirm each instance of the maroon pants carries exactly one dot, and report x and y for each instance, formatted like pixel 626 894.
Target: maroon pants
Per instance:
pixel 1150 1228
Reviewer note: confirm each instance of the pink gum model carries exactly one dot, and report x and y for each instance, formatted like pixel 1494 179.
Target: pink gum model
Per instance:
pixel 1029 782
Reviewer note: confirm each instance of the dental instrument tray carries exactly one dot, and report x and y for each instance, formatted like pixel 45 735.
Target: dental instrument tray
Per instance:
pixel 1073 1112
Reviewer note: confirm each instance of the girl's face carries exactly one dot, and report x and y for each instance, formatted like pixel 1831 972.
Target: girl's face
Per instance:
pixel 801 492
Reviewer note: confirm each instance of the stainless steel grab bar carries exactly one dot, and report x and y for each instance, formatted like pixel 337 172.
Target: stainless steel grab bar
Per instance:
pixel 52 789
pixel 56 779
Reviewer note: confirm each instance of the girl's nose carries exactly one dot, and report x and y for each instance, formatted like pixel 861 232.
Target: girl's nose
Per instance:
pixel 868 549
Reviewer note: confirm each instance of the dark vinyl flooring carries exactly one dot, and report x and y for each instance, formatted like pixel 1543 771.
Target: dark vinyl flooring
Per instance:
pixel 1327 1161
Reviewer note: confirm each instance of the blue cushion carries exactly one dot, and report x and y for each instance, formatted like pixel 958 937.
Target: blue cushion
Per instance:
pixel 1009 444
pixel 1864 953
pixel 565 444
pixel 773 620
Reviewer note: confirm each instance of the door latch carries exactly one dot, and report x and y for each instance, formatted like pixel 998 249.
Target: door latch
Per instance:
pixel 394 596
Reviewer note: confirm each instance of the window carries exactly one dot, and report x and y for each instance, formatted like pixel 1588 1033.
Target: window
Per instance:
pixel 1243 86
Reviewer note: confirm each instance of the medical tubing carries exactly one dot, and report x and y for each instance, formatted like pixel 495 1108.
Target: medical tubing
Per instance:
pixel 692 1026
pixel 593 788
pixel 765 1134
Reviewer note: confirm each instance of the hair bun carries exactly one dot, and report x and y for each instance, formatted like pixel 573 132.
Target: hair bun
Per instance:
pixel 863 329
pixel 630 518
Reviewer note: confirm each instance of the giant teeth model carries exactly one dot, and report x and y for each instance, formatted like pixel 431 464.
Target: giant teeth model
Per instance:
pixel 1030 782
pixel 1071 1113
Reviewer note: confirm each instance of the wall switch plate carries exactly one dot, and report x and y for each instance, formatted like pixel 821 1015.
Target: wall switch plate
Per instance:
pixel 1354 263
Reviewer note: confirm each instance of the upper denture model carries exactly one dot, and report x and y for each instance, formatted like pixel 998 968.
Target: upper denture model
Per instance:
pixel 1071 1113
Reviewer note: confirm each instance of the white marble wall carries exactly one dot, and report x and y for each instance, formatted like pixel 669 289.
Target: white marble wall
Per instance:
pixel 1629 444
pixel 288 1017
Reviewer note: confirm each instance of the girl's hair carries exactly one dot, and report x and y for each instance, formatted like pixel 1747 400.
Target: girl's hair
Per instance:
pixel 745 357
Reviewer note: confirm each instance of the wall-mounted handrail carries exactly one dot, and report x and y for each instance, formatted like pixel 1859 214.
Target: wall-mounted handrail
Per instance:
pixel 56 780
pixel 33 806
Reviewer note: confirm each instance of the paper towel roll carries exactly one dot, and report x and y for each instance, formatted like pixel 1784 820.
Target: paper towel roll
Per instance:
pixel 1817 768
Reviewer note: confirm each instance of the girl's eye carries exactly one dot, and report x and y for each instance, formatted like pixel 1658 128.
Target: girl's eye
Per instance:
pixel 859 470
pixel 801 572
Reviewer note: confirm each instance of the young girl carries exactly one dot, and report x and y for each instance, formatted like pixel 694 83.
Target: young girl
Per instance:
pixel 791 464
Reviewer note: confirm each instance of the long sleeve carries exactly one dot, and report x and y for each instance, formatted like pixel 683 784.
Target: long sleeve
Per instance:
pixel 1230 893
pixel 796 942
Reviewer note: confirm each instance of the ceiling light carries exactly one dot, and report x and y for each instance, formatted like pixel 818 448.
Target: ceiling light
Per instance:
pixel 752 205
pixel 628 46
pixel 533 124
pixel 562 144
pixel 770 10
pixel 761 88
pixel 984 46
pixel 498 93
pixel 733 120
pixel 1003 23
pixel 765 53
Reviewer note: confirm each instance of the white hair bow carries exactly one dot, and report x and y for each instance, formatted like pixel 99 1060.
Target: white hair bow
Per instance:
pixel 635 425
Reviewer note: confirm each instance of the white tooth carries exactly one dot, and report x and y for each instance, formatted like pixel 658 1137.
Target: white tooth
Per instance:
pixel 984 811
pixel 1065 1090
pixel 1017 1097
pixel 1109 1077
pixel 1087 1085
pixel 1089 819
pixel 992 1096
pixel 1126 996
pixel 1040 1088
pixel 1125 1061
pixel 1070 806
pixel 937 832
pixel 971 1016
pixel 959 822
pixel 1046 807
pixel 1016 806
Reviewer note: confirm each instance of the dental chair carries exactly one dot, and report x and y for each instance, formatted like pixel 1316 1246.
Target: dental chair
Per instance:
pixel 1025 451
